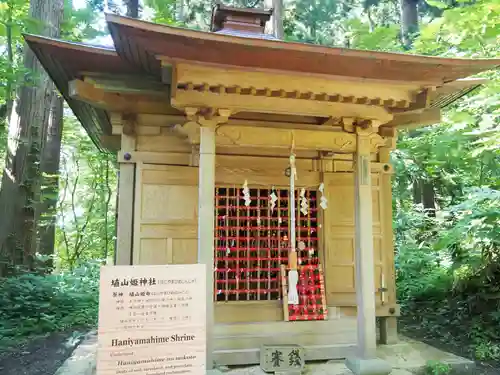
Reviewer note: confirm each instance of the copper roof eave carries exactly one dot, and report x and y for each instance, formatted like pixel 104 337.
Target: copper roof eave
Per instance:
pixel 140 42
pixel 64 61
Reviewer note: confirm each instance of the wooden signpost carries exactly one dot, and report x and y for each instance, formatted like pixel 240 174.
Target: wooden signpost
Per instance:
pixel 152 320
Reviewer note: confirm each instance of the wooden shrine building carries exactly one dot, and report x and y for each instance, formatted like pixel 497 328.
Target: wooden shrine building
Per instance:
pixel 212 129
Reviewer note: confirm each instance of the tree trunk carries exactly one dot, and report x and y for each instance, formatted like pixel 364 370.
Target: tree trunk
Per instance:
pixel 27 126
pixel 51 155
pixel 6 108
pixel 409 21
pixel 132 8
pixel 417 191
pixel 429 198
pixel 278 19
pixel 180 11
pixel 276 22
pixel 9 89
pixel 370 19
pixel 423 193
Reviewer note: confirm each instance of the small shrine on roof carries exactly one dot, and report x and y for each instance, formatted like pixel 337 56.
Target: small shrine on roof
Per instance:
pixel 266 160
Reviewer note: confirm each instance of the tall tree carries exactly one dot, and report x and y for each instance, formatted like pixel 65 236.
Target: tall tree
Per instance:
pixel 423 188
pixel 276 24
pixel 13 19
pixel 409 22
pixel 28 125
pixel 132 8
pixel 45 209
pixel 5 111
pixel 77 25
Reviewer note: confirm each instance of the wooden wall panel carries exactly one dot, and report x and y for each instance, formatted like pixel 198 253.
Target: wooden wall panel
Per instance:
pixel 169 231
pixel 248 311
pixel 162 143
pixel 154 251
pixel 184 251
pixel 169 204
pixel 167 221
pixel 339 232
pixel 264 177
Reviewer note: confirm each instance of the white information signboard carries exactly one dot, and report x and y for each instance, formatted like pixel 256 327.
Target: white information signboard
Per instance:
pixel 152 320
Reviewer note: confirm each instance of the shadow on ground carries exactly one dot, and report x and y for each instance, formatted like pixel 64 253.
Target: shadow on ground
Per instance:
pixel 38 356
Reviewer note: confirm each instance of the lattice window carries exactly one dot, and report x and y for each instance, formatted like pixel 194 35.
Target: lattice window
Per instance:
pixel 252 242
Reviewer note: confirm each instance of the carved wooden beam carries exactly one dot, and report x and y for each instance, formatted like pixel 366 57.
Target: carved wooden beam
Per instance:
pixel 129 121
pixel 119 102
pixel 264 104
pixel 127 84
pixel 198 117
pixel 271 83
pixel 332 121
pixel 111 142
pixel 412 120
pixel 247 136
pixel 420 101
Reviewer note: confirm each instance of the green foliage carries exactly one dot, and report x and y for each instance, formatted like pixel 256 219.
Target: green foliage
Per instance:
pixel 88 180
pixel 320 21
pixel 164 11
pixel 14 21
pixel 384 38
pixel 448 271
pixel 449 277
pixel 38 304
pixel 470 30
pixel 437 368
pixel 487 350
pixel 79 24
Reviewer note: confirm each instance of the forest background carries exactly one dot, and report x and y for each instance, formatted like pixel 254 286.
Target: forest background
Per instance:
pixel 57 215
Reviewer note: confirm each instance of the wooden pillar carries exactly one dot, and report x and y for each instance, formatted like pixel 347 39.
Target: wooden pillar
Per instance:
pixel 365 278
pixel 388 324
pixel 206 212
pixel 389 330
pixel 366 361
pixel 125 208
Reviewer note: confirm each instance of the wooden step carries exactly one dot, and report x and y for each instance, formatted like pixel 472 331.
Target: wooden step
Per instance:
pixel 302 339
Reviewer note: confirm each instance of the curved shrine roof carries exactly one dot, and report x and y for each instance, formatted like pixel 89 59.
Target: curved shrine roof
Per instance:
pixel 140 46
pixel 65 61
pixel 138 41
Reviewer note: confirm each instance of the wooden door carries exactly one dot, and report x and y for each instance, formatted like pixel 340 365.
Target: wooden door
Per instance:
pixel 166 217
pixel 339 236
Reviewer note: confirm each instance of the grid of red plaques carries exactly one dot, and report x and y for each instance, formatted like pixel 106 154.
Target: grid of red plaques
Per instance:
pixel 311 290
pixel 252 241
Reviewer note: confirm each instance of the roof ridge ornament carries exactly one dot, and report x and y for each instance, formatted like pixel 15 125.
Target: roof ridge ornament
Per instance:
pixel 239 21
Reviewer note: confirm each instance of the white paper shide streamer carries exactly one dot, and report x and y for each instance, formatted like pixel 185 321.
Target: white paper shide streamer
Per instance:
pixel 273 200
pixel 304 204
pixel 246 194
pixel 323 201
